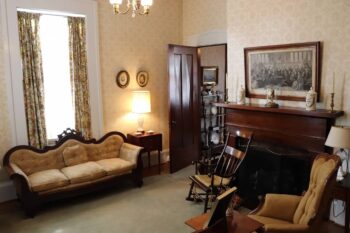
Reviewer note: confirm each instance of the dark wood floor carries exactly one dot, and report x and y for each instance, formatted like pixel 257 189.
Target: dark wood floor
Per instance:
pixel 327 227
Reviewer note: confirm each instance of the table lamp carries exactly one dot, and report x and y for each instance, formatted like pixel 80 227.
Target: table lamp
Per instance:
pixel 141 104
pixel 340 138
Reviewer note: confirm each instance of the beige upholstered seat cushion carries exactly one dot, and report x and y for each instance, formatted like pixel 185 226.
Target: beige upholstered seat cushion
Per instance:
pixel 273 225
pixel 115 166
pixel 83 172
pixel 74 155
pixel 206 180
pixel 48 179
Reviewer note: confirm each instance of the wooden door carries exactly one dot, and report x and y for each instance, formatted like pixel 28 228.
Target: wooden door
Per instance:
pixel 184 119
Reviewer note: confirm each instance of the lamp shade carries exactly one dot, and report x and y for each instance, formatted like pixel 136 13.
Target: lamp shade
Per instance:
pixel 141 102
pixel 338 138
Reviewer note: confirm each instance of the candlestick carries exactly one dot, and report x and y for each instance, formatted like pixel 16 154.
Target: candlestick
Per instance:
pixel 332 102
pixel 333 82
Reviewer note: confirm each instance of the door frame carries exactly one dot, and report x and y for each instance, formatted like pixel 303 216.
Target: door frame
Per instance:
pixel 170 46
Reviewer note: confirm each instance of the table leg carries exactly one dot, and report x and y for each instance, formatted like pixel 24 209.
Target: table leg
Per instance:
pixel 347 212
pixel 159 162
pixel 149 159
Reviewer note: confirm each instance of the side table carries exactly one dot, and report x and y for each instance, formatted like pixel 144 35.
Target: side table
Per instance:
pixel 341 191
pixel 149 142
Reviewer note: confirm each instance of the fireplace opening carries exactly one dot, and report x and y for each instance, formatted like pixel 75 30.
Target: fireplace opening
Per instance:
pixel 271 169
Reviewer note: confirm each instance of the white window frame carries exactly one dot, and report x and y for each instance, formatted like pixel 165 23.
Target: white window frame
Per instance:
pixel 13 66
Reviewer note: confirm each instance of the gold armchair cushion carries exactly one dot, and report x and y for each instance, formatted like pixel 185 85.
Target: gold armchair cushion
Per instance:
pixel 273 225
pixel 280 206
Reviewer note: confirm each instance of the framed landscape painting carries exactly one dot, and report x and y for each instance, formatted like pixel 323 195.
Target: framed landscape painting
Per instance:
pixel 291 69
pixel 210 75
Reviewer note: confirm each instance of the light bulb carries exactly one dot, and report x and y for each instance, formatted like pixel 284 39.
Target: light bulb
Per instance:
pixel 146 2
pixel 117 2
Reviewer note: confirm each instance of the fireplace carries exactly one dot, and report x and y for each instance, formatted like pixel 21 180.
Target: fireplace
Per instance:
pixel 284 144
pixel 272 170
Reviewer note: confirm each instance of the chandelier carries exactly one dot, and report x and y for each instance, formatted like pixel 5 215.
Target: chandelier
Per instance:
pixel 134 5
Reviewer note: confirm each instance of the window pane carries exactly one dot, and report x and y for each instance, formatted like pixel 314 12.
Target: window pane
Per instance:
pixel 59 112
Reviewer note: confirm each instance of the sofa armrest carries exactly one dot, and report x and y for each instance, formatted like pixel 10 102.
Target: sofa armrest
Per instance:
pixel 280 206
pixel 130 152
pixel 18 175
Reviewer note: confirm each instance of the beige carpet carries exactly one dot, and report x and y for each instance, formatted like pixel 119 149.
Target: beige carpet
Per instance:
pixel 159 206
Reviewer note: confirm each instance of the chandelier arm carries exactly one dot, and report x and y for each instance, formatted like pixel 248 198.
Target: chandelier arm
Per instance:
pixel 144 12
pixel 126 11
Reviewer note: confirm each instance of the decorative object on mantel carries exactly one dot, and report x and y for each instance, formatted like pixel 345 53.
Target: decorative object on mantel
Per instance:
pixel 226 89
pixel 241 96
pixel 141 104
pixel 123 79
pixel 142 78
pixel 270 97
pixel 291 68
pixel 310 100
pixel 134 5
pixel 340 138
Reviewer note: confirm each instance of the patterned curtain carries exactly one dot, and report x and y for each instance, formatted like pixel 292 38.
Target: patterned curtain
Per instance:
pixel 79 76
pixel 33 82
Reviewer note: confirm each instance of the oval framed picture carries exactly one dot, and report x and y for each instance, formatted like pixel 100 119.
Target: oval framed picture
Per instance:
pixel 123 79
pixel 142 78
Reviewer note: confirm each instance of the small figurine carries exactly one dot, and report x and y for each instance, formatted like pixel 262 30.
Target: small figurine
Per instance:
pixel 241 96
pixel 310 101
pixel 270 97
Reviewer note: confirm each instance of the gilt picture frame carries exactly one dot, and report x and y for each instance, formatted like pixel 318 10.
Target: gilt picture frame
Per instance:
pixel 123 79
pixel 142 78
pixel 210 75
pixel 290 69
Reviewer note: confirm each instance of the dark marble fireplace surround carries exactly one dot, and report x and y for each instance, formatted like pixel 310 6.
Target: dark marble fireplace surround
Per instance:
pixel 284 144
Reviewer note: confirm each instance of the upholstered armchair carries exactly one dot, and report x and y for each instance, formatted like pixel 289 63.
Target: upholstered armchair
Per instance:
pixel 288 213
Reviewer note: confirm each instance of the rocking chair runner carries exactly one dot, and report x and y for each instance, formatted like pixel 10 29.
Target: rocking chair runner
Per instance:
pixel 228 163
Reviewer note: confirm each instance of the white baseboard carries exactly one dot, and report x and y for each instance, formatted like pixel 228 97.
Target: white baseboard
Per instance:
pixel 7 191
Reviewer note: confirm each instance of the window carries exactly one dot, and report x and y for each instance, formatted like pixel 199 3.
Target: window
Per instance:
pixel 59 112
pixel 14 73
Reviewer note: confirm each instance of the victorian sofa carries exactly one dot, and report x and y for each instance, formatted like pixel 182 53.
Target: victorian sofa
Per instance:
pixel 71 167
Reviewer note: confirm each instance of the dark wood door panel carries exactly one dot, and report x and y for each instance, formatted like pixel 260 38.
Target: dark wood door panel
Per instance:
pixel 184 112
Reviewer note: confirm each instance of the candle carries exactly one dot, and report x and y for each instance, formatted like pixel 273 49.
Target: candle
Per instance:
pixel 333 82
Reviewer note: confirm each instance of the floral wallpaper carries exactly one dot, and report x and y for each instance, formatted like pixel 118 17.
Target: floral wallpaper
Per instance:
pixel 135 44
pixel 204 21
pixel 5 137
pixel 256 23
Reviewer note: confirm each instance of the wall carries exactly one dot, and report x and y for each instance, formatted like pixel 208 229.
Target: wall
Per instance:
pixel 256 23
pixel 5 136
pixel 204 22
pixel 215 56
pixel 135 44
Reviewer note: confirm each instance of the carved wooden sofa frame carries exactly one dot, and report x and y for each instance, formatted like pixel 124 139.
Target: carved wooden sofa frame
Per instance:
pixel 31 200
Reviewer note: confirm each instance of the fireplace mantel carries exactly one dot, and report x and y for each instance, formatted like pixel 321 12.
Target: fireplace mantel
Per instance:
pixel 283 126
